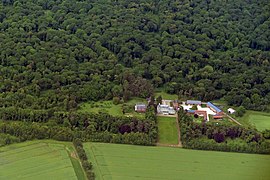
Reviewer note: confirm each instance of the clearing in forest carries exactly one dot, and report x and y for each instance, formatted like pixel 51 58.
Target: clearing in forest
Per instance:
pixel 39 160
pixel 116 161
pixel 113 109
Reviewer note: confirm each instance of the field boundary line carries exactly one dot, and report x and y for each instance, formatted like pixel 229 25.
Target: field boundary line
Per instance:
pixel 94 157
pixel 234 120
pixel 179 133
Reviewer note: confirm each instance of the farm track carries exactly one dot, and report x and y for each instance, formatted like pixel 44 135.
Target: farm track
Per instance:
pixel 179 133
pixel 232 119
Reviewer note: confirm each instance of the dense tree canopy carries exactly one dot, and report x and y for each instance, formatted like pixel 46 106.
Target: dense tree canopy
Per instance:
pixel 57 53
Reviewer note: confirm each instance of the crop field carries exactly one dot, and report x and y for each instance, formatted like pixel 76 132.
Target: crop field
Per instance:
pixel 39 160
pixel 260 120
pixel 114 161
pixel 167 130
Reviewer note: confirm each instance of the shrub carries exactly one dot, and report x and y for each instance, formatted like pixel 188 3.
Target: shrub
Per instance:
pixel 116 100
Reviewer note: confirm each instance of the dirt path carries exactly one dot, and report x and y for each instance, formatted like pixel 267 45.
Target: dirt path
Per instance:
pixel 232 119
pixel 178 130
pixel 179 134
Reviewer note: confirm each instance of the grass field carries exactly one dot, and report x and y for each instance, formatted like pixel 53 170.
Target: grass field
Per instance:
pixel 40 160
pixel 110 108
pixel 166 96
pixel 260 120
pixel 167 130
pixel 114 161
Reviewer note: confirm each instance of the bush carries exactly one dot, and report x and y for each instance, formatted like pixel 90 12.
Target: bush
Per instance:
pixel 240 111
pixel 116 100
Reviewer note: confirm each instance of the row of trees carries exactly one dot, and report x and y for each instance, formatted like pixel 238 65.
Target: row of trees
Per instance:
pixel 87 166
pixel 91 122
pixel 90 126
pixel 29 131
pixel 222 137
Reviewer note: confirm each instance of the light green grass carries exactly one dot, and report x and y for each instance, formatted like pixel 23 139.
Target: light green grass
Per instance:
pixel 39 160
pixel 110 108
pixel 165 95
pixel 167 130
pixel 114 161
pixel 261 120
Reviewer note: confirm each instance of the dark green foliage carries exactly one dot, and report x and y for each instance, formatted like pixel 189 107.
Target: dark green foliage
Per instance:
pixel 221 137
pixel 87 166
pixel 6 139
pixel 56 54
pixel 159 100
pixel 240 111
pixel 266 134
pixel 65 126
pixel 150 113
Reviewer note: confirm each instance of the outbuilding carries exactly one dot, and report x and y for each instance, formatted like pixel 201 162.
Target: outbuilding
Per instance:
pixel 193 102
pixel 140 107
pixel 214 108
pixel 231 110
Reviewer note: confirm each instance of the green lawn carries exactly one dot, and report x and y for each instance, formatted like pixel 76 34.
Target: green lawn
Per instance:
pixel 110 108
pixel 260 120
pixel 115 161
pixel 40 160
pixel 165 95
pixel 167 130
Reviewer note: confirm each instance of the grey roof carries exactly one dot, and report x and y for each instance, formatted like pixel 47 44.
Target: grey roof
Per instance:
pixel 193 102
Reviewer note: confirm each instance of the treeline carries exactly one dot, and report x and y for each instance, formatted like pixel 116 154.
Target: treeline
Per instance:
pixel 222 137
pixel 30 131
pixel 87 166
pixel 6 139
pixel 56 54
pixel 102 127
pixel 91 122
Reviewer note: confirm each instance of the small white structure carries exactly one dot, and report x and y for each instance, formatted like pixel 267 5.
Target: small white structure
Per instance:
pixel 231 110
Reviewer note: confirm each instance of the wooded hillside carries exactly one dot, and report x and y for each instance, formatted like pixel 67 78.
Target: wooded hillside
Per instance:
pixel 57 53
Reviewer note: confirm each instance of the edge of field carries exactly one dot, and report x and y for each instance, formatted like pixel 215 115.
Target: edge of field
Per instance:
pixel 76 164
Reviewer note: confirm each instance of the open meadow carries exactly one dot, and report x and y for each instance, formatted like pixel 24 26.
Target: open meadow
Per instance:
pixel 261 120
pixel 40 160
pixel 165 95
pixel 112 109
pixel 167 130
pixel 114 161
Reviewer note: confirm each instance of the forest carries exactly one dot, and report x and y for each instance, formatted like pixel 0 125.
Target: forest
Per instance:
pixel 56 54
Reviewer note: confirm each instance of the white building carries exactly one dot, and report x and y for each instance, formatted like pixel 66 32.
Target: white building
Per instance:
pixel 172 111
pixel 231 110
pixel 163 109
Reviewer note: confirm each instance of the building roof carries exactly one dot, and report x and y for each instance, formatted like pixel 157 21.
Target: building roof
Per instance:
pixel 191 111
pixel 217 117
pixel 193 102
pixel 231 110
pixel 214 107
pixel 140 105
pixel 163 105
pixel 200 112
